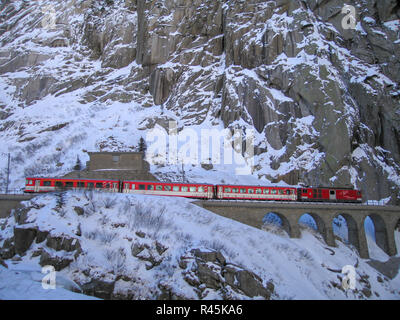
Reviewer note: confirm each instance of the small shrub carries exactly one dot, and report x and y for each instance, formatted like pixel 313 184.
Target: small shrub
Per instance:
pixel 109 202
pixel 116 259
pixel 106 237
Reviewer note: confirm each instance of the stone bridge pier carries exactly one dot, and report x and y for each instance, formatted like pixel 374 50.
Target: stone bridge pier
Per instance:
pixel 384 218
pixel 11 201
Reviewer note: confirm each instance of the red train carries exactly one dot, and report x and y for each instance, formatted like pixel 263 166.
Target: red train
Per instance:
pixel 195 190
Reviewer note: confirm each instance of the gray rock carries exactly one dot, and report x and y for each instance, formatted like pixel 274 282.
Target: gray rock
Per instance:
pixel 3 263
pixel 41 236
pixel 99 288
pixel 8 249
pixel 209 256
pixel 63 243
pixel 58 262
pixel 23 239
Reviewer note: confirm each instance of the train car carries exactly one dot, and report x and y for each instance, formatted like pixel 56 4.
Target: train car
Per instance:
pixel 189 190
pixel 229 192
pixel 55 184
pixel 329 195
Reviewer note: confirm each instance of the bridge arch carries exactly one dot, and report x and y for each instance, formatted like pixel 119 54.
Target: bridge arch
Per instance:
pixel 277 219
pixel 353 235
pixel 397 235
pixel 380 232
pixel 319 223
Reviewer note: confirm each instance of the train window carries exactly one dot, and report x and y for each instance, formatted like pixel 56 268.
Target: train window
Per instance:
pixel 80 184
pixel 228 190
pixel 192 189
pixel 150 187
pixel 184 189
pixel 133 186
pixel 99 185
pixel 273 191
pixel 287 191
pixel 142 187
pixel 201 189
pixel 242 190
pixel 107 186
pixel 332 192
pixel 167 188
pixel 47 183
pixel 258 191
pixel 59 184
pixel 304 190
pixel 251 191
pixel 90 185
pixel 159 188
pixel 266 191
pixel 280 191
pixel 175 188
pixel 235 190
pixel 69 184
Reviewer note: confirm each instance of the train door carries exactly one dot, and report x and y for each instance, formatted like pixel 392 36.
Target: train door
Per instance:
pixel 332 194
pixel 219 192
pixel 115 187
pixel 37 186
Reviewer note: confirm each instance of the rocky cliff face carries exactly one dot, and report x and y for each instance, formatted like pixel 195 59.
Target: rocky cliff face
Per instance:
pixel 323 98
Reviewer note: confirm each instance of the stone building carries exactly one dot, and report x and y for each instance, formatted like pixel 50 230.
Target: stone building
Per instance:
pixel 115 165
pixel 117 160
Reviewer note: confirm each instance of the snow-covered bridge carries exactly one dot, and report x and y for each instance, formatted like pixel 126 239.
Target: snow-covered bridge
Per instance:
pixel 11 201
pixel 385 219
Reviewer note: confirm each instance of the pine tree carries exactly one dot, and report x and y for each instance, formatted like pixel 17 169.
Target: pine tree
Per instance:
pixel 142 145
pixel 78 164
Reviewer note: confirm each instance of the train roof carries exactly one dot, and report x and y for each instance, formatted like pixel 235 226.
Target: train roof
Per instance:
pixel 253 186
pixel 161 182
pixel 72 179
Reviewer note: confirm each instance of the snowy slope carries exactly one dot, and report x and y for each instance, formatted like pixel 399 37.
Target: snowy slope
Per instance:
pixel 112 224
pixel 81 75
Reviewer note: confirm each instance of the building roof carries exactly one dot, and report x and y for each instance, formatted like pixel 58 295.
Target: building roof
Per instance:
pixel 114 153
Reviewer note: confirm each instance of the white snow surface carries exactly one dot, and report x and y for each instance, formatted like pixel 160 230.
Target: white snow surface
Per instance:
pixel 297 267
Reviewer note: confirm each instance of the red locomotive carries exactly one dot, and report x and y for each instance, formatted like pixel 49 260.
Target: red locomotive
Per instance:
pixel 195 190
pixel 329 195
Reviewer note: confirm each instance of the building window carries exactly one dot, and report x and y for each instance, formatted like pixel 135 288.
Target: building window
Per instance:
pixel 115 158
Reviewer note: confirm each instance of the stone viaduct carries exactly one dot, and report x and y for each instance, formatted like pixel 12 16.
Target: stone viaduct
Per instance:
pixel 11 201
pixel 385 219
